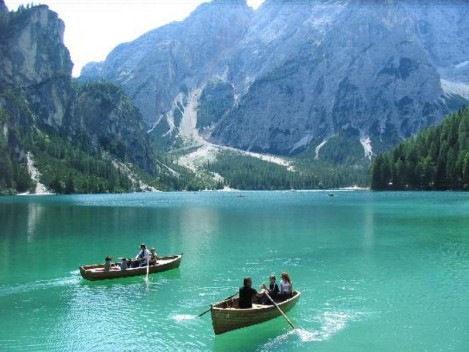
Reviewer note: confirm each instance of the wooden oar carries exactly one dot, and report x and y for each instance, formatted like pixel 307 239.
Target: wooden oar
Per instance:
pixel 148 267
pixel 208 310
pixel 275 304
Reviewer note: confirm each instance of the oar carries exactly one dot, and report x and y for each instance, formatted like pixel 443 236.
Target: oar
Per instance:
pixel 148 267
pixel 275 304
pixel 208 310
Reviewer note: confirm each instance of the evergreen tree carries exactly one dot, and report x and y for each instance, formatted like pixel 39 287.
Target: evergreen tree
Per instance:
pixel 436 159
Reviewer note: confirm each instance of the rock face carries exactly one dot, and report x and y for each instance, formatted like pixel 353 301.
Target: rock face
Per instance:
pixel 176 58
pixel 442 27
pixel 36 93
pixel 317 77
pixel 34 60
pixel 3 7
pixel 114 124
pixel 347 65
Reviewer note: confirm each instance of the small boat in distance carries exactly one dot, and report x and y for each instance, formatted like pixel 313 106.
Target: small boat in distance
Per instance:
pixel 226 315
pixel 96 271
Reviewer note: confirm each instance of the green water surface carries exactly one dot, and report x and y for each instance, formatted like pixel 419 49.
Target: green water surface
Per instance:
pixel 377 271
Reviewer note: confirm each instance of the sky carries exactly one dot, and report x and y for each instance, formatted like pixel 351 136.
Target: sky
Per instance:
pixel 94 27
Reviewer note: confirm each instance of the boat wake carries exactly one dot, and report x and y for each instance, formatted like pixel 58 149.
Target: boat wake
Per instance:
pixel 332 323
pixel 302 335
pixel 182 317
pixel 6 290
pixel 307 336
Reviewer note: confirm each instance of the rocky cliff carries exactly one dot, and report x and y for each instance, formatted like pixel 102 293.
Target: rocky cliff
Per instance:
pixel 3 7
pixel 176 58
pixel 442 28
pixel 322 78
pixel 34 60
pixel 39 103
pixel 113 124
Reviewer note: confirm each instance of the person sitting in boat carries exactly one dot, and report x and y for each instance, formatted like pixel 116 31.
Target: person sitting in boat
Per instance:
pixel 123 264
pixel 142 256
pixel 247 293
pixel 153 256
pixel 107 263
pixel 272 291
pixel 286 287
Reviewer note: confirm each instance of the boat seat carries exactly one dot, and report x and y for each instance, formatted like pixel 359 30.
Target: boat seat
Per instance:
pixel 258 306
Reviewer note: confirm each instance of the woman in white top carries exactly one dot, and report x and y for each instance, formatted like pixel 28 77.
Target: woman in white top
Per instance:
pixel 286 287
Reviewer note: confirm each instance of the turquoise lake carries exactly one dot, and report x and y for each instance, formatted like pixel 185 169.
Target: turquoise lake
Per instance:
pixel 377 271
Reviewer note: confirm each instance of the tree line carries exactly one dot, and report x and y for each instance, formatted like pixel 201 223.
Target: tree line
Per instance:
pixel 249 173
pixel 435 159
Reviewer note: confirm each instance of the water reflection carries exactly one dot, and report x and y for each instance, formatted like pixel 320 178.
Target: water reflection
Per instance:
pixel 34 217
pixel 368 227
pixel 199 228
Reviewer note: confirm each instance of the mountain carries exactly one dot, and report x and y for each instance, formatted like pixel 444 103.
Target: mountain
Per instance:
pixel 35 61
pixel 3 7
pixel 59 134
pixel 175 59
pixel 335 80
pixel 442 27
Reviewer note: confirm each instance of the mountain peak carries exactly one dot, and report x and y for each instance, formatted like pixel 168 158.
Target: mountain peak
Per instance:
pixel 3 7
pixel 324 77
pixel 219 7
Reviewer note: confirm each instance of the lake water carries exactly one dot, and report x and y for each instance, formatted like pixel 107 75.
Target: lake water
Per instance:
pixel 377 271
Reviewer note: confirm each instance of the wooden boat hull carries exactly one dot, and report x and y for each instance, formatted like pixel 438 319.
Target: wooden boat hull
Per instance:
pixel 226 316
pixel 96 271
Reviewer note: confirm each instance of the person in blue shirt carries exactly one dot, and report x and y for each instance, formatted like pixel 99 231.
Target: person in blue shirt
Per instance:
pixel 272 290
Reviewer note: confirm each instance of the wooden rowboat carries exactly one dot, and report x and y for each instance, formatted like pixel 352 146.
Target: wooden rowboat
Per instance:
pixel 226 315
pixel 96 271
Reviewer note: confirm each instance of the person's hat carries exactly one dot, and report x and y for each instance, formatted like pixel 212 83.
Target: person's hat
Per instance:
pixel 108 258
pixel 143 245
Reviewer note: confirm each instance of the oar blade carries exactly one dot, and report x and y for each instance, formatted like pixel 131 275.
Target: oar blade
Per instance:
pixel 280 310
